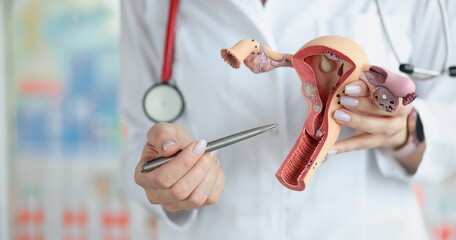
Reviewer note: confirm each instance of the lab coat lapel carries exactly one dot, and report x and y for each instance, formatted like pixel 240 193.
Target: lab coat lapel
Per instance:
pixel 256 13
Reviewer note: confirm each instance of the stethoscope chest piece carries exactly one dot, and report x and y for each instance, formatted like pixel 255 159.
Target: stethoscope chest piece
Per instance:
pixel 163 102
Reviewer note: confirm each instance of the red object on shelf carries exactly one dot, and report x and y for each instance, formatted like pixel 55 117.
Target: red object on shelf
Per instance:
pixel 26 216
pixel 121 219
pixel 29 237
pixel 443 232
pixel 39 86
pixel 74 217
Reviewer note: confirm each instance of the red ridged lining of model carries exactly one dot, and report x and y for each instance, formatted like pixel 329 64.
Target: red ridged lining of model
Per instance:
pixel 302 157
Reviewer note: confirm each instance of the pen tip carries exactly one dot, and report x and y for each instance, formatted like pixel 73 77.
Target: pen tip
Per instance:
pixel 269 127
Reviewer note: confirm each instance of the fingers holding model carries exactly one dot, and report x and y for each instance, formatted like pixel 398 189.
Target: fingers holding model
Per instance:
pixel 190 180
pixel 380 119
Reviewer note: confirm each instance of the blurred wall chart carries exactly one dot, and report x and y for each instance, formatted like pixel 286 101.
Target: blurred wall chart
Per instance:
pixel 66 136
pixel 65 72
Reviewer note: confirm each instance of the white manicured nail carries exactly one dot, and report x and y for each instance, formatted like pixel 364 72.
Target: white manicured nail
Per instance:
pixel 214 154
pixel 168 144
pixel 199 147
pixel 349 101
pixel 332 152
pixel 342 116
pixel 352 89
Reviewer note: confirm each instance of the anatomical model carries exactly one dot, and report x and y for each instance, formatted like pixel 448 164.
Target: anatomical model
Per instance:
pixel 325 66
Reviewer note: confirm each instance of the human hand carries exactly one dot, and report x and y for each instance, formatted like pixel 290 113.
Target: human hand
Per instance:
pixel 374 126
pixel 190 180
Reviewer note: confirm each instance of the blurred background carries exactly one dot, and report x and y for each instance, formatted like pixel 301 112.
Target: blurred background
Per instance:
pixel 61 138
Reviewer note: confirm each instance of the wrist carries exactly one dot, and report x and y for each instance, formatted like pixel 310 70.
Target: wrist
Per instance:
pixel 415 136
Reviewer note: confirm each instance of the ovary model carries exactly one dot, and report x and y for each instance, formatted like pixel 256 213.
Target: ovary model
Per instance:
pixel 325 66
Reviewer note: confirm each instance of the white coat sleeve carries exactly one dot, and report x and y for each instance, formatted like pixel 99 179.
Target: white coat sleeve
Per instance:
pixel 140 68
pixel 436 104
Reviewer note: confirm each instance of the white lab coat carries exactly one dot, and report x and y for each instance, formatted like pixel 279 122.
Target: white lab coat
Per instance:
pixel 357 195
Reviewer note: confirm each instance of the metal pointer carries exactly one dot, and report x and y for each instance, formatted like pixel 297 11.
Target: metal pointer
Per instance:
pixel 211 146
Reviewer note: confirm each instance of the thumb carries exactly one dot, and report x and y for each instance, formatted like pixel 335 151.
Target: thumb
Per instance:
pixel 166 139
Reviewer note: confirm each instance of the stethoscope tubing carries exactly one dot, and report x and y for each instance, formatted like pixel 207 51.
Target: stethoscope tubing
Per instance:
pixel 168 54
pixel 426 73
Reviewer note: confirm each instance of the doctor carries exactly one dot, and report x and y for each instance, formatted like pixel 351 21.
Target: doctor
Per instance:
pixel 363 191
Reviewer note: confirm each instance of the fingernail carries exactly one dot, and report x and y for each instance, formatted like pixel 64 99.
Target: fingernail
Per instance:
pixel 342 116
pixel 214 154
pixel 168 144
pixel 332 152
pixel 199 147
pixel 349 101
pixel 352 89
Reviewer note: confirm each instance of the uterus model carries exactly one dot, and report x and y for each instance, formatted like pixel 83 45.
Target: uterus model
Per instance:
pixel 325 66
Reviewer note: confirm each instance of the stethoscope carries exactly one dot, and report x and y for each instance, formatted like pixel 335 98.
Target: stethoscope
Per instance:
pixel 163 102
pixel 421 73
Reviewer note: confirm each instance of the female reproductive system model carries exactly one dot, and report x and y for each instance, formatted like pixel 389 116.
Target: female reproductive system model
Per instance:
pixel 325 66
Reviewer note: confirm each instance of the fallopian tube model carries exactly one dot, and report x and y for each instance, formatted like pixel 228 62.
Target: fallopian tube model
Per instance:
pixel 325 66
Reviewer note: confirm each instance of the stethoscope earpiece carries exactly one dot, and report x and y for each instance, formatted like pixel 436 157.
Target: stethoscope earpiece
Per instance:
pixel 410 69
pixel 406 68
pixel 452 71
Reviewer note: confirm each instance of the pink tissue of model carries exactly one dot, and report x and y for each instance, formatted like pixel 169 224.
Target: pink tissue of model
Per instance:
pixel 325 66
